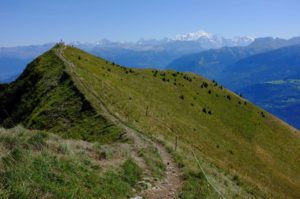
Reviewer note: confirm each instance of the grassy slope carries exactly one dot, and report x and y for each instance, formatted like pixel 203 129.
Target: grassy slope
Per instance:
pixel 244 153
pixel 44 97
pixel 36 164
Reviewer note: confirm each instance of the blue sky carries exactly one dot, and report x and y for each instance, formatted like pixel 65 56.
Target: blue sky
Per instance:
pixel 26 22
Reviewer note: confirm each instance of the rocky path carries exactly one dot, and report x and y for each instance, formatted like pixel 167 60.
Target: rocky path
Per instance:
pixel 168 187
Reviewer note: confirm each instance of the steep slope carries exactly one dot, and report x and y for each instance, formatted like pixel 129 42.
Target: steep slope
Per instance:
pixel 44 97
pixel 239 149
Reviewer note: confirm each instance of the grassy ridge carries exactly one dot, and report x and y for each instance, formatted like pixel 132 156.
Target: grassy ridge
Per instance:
pixel 245 151
pixel 44 97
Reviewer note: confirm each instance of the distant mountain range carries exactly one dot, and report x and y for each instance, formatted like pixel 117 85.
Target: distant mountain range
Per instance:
pixel 141 54
pixel 211 63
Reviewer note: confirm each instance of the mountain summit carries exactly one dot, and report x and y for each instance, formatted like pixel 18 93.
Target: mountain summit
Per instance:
pixel 221 41
pixel 191 36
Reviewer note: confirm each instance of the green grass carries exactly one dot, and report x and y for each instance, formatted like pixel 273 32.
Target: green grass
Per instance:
pixel 231 138
pixel 153 161
pixel 45 98
pixel 32 167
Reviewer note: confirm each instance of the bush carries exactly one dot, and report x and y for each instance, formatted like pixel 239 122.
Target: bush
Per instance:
pixel 181 97
pixel 204 110
pixel 204 84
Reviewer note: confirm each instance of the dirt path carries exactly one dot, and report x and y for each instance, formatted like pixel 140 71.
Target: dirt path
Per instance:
pixel 168 187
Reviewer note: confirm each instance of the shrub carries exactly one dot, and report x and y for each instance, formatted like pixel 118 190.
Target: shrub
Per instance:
pixel 182 97
pixel 209 112
pixel 204 110
pixel 228 97
pixel 209 91
pixel 204 84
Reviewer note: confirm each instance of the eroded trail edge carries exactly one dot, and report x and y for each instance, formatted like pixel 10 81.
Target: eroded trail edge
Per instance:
pixel 170 185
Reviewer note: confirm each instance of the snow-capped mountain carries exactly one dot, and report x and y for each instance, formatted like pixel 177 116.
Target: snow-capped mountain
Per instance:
pixel 214 40
pixel 189 42
pixel 143 53
pixel 192 36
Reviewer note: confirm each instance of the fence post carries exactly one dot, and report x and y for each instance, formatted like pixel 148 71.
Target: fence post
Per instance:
pixel 176 143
